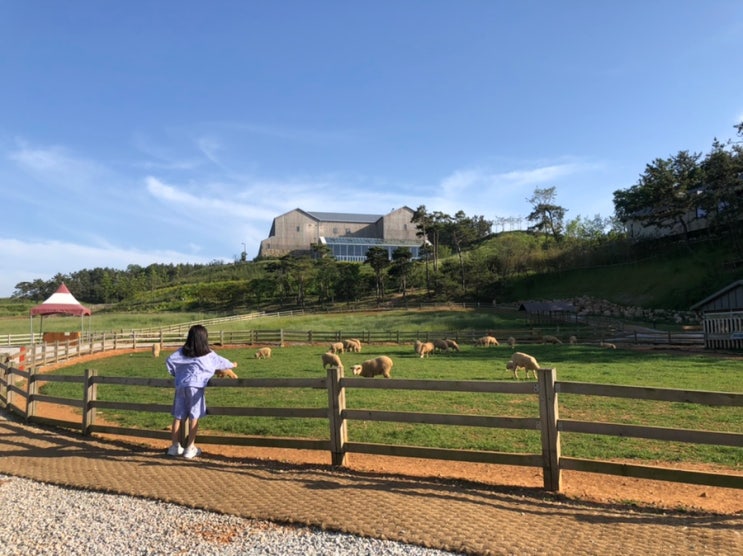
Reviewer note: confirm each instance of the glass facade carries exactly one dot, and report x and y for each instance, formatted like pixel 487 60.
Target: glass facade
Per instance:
pixel 354 249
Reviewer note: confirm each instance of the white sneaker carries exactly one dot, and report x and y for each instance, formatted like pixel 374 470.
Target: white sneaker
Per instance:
pixel 175 450
pixel 191 452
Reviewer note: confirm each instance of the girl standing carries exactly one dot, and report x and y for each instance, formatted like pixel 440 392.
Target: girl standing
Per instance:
pixel 192 366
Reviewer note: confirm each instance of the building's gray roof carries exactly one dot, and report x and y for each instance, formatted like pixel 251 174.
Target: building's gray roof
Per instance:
pixel 547 307
pixel 344 217
pixel 709 300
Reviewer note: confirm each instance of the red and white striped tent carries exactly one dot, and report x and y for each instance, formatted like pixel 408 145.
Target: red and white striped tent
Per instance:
pixel 61 302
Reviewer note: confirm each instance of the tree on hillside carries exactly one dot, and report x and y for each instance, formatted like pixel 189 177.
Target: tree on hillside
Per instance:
pixel 402 264
pixel 348 285
pixel 462 232
pixel 377 258
pixel 430 227
pixel 547 217
pixel 326 274
pixel 292 275
pixel 721 200
pixel 320 251
pixel 665 195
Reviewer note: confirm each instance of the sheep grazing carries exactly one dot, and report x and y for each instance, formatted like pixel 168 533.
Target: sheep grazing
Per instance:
pixel 426 349
pixel 332 360
pixel 551 340
pixel 381 365
pixel 225 373
pixel 263 353
pixel 417 346
pixel 524 361
pixel 573 340
pixel 440 345
pixel 487 341
pixel 452 345
pixel 336 347
pixel 156 350
pixel 607 345
pixel 352 345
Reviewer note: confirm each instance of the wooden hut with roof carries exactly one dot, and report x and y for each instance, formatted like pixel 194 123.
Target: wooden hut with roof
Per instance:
pixel 548 312
pixel 722 317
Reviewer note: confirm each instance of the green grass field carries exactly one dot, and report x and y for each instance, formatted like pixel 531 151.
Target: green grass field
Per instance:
pixel 573 363
pixel 408 320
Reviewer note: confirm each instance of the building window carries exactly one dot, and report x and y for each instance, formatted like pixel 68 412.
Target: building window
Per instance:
pixel 298 229
pixel 335 231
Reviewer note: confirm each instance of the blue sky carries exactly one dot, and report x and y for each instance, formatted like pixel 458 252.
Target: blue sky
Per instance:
pixel 175 131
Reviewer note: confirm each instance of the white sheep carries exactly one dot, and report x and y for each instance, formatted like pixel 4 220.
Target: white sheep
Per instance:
pixel 381 365
pixel 426 349
pixel 156 350
pixel 226 373
pixel 452 345
pixel 487 341
pixel 331 359
pixel 607 345
pixel 511 342
pixel 336 347
pixel 352 345
pixel 263 353
pixel 551 340
pixel 524 361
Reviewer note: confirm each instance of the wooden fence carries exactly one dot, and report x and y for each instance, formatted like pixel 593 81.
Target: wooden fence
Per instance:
pixel 340 418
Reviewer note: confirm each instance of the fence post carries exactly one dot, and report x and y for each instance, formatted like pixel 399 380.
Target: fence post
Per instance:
pixel 90 394
pixel 336 407
pixel 5 378
pixel 32 389
pixel 548 415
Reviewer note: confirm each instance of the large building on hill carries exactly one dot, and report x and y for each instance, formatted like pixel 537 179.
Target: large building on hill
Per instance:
pixel 348 236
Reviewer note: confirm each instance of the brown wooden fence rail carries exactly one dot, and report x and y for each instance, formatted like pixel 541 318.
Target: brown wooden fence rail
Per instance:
pixel 340 418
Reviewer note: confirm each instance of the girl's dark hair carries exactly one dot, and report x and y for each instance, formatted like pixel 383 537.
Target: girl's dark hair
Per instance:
pixel 197 342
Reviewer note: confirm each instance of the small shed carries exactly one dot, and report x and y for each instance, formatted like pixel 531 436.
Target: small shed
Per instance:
pixel 722 317
pixel 548 312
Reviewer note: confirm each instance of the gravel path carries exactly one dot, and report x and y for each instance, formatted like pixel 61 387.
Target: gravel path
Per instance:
pixel 46 519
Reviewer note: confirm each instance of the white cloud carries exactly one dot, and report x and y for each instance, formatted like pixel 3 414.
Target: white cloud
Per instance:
pixel 481 191
pixel 201 206
pixel 56 165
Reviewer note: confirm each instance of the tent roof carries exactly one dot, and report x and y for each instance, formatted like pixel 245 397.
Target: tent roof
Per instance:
pixel 61 302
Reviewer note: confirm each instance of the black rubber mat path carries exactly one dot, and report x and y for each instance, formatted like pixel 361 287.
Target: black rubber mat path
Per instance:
pixel 451 515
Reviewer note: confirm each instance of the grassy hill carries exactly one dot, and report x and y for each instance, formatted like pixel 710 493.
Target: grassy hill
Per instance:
pixel 651 275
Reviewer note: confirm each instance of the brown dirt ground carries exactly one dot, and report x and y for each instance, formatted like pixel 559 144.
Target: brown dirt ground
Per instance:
pixel 605 489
